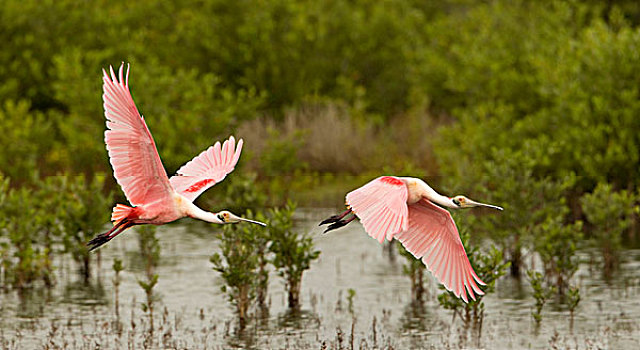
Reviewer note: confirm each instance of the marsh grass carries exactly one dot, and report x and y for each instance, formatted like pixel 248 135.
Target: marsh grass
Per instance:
pixel 326 138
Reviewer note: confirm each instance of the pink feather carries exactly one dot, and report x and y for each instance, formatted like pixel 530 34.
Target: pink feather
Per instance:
pixel 136 164
pixel 206 169
pixel 381 206
pixel 432 236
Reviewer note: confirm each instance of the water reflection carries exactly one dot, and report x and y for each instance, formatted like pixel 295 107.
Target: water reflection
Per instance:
pixel 87 294
pixel 415 317
pixel 32 302
pixel 295 319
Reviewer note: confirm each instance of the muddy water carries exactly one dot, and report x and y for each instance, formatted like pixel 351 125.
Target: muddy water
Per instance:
pixel 192 311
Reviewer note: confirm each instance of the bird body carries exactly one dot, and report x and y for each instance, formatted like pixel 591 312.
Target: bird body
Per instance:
pixel 410 211
pixel 162 212
pixel 156 198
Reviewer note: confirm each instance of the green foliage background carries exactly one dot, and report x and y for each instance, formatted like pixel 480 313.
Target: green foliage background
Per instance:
pixel 557 76
pixel 529 105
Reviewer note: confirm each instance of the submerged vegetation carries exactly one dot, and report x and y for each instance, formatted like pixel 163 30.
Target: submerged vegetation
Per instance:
pixel 532 106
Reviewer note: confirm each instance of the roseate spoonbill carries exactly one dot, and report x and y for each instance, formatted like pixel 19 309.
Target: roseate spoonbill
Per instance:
pixel 403 208
pixel 137 167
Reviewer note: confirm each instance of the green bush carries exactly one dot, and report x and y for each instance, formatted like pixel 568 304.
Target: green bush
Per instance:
pixel 27 140
pixel 86 210
pixel 489 267
pixel 292 252
pixel 239 266
pixel 511 179
pixel 25 259
pixel 541 293
pixel 150 253
pixel 609 214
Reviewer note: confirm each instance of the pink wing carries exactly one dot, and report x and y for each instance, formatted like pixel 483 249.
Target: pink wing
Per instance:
pixel 432 235
pixel 207 169
pixel 136 164
pixel 381 206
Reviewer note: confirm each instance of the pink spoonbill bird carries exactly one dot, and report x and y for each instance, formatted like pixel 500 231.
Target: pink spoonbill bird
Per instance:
pixel 410 211
pixel 156 198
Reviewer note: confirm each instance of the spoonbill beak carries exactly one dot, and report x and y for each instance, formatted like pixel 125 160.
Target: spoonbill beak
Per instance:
pixel 238 218
pixel 478 204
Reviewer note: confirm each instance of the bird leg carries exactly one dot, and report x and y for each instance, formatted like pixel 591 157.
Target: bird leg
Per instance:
pixel 103 238
pixel 335 218
pixel 340 223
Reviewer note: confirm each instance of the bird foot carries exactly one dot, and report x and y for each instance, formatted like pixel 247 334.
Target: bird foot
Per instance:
pixel 339 224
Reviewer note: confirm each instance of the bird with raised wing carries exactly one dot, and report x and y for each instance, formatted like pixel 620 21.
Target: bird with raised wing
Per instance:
pixel 155 198
pixel 410 211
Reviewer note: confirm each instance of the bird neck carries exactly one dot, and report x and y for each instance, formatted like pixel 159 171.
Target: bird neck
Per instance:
pixel 200 214
pixel 444 201
pixel 435 197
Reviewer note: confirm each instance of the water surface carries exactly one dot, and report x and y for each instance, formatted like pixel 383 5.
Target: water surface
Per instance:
pixel 194 313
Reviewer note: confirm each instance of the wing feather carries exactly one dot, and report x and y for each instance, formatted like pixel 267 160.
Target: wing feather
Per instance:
pixel 207 169
pixel 381 205
pixel 432 236
pixel 132 152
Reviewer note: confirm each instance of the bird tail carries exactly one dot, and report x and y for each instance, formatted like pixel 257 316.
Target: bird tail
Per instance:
pixel 120 212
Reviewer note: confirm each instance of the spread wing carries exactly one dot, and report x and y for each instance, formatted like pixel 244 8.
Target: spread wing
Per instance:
pixel 432 235
pixel 132 152
pixel 381 206
pixel 207 169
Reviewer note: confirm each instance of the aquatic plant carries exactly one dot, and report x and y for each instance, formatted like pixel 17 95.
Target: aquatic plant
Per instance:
pixel 573 299
pixel 293 252
pixel 556 243
pixel 85 213
pixel 541 293
pixel 117 279
pixel 50 197
pixel 25 259
pixel 530 201
pixel 609 214
pixel 239 266
pixel 489 267
pixel 351 294
pixel 415 269
pixel 261 242
pixel 150 254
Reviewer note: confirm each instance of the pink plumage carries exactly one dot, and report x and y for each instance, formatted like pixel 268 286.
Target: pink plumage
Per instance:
pixel 381 206
pixel 208 168
pixel 404 208
pixel 136 164
pixel 139 171
pixel 433 237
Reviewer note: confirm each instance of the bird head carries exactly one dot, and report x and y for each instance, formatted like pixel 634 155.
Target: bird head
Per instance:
pixel 464 202
pixel 228 217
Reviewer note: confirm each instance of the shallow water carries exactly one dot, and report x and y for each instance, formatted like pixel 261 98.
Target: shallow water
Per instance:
pixel 194 313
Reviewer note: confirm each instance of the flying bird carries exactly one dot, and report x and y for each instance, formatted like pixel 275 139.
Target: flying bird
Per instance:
pixel 155 198
pixel 410 211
